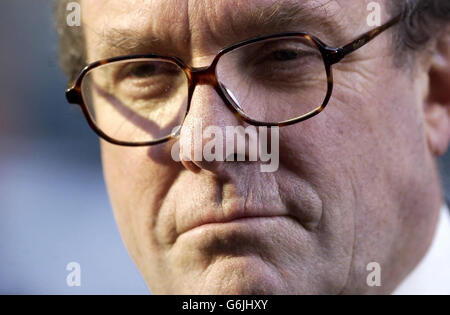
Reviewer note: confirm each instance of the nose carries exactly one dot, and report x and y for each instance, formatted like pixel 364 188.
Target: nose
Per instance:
pixel 202 139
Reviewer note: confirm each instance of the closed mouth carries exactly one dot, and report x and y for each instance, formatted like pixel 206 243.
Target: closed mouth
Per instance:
pixel 237 221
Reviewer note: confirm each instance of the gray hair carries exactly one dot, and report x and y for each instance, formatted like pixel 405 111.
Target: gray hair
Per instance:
pixel 425 19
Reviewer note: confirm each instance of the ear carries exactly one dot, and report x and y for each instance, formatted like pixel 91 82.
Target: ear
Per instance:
pixel 437 109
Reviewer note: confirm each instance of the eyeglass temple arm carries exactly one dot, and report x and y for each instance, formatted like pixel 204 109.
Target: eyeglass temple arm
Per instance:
pixel 73 95
pixel 364 39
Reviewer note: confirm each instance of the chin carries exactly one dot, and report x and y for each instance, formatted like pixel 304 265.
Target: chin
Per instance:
pixel 242 275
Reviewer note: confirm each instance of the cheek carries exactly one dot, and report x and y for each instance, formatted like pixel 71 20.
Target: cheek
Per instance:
pixel 365 131
pixel 350 152
pixel 121 167
pixel 137 182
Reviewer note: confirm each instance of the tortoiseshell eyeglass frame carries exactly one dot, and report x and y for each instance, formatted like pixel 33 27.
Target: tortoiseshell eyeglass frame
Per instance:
pixel 207 75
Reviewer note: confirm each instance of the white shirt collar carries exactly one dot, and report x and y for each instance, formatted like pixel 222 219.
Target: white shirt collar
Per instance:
pixel 432 274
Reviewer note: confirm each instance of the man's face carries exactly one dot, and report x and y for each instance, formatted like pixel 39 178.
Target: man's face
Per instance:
pixel 355 184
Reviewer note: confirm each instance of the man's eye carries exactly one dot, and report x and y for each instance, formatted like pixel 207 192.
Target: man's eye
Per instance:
pixel 147 70
pixel 142 71
pixel 293 55
pixel 143 80
pixel 287 61
pixel 285 55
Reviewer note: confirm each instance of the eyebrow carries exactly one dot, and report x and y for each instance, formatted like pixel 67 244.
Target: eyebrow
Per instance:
pixel 281 16
pixel 130 40
pixel 296 16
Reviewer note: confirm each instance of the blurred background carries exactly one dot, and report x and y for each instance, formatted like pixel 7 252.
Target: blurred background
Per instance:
pixel 53 204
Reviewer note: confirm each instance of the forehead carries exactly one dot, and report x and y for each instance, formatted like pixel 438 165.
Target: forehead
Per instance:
pixel 203 27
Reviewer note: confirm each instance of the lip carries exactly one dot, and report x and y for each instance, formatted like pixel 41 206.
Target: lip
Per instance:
pixel 240 236
pixel 238 222
pixel 234 216
pixel 234 228
pixel 226 210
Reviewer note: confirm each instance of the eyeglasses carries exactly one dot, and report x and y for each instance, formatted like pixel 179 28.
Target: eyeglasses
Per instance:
pixel 275 80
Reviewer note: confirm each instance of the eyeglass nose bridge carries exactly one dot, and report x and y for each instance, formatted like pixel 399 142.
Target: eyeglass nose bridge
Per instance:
pixel 207 76
pixel 203 76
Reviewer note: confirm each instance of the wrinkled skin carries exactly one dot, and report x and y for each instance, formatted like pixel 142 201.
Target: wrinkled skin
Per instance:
pixel 356 184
